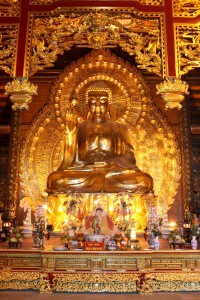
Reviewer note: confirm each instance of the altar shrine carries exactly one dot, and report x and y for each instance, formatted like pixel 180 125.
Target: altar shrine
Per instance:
pixel 99 180
pixel 112 158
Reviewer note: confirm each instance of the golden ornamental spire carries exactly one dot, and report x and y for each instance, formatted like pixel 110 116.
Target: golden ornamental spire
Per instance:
pixel 21 92
pixel 173 91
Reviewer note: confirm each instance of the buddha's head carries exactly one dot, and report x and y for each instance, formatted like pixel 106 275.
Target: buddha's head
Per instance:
pixel 98 98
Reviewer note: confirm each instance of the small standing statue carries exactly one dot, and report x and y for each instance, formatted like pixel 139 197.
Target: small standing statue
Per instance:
pixel 27 231
pixel 96 226
pixel 39 227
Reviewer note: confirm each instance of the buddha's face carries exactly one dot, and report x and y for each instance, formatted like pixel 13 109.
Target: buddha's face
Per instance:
pixel 98 103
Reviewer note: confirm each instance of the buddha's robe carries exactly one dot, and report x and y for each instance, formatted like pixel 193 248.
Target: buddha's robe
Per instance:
pixel 103 160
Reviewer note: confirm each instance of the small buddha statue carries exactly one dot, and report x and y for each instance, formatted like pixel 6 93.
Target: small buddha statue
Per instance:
pixel 98 154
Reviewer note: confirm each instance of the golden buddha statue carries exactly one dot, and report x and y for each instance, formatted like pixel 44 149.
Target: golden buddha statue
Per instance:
pixel 98 153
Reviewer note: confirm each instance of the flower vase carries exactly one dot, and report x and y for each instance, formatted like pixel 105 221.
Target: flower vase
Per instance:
pixel 156 243
pixel 36 239
pixel 194 243
pixel 151 240
pixel 41 243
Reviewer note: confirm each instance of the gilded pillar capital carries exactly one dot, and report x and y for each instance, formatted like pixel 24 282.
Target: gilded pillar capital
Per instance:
pixel 173 91
pixel 21 92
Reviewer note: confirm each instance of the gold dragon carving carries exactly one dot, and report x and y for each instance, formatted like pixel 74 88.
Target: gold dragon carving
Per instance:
pixel 186 8
pixel 188 47
pixel 144 283
pixel 9 8
pixel 8 43
pixel 96 282
pixel 137 35
pixel 156 147
pixel 19 280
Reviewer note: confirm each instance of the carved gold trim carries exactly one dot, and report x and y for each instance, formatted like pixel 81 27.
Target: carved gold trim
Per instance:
pixel 40 2
pixel 186 8
pixel 176 281
pixel 95 282
pixel 151 2
pixel 188 48
pixel 8 42
pixel 19 280
pixel 9 8
pixel 75 277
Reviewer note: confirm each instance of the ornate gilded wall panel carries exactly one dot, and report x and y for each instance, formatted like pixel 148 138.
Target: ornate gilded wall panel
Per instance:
pixel 188 48
pixel 100 262
pixel 40 2
pixel 95 282
pixel 157 151
pixel 20 260
pixel 186 8
pixel 151 2
pixel 165 263
pixel 8 44
pixel 9 8
pixel 17 280
pixel 139 34
pixel 175 281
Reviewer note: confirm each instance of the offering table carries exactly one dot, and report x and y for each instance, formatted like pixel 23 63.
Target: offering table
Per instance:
pixel 106 271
